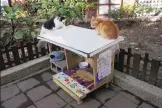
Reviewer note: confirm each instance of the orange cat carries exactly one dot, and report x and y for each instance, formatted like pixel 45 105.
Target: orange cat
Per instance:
pixel 106 28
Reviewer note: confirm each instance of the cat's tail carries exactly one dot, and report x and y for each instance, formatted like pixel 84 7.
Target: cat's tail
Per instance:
pixel 41 44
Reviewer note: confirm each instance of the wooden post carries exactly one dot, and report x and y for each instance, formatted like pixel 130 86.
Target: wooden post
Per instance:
pixel 30 51
pixel 94 62
pixel 16 55
pixel 143 73
pixel 36 48
pixel 22 50
pixel 116 61
pixel 154 71
pixel 2 67
pixel 43 51
pixel 136 65
pixel 128 60
pixel 8 56
pixel 121 60
pixel 49 47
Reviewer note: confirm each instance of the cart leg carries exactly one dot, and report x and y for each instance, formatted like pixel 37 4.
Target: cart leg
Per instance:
pixel 50 47
pixel 107 85
pixel 79 102
pixel 112 81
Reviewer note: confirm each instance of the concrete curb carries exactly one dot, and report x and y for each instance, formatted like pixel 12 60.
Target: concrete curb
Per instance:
pixel 24 69
pixel 16 81
pixel 139 88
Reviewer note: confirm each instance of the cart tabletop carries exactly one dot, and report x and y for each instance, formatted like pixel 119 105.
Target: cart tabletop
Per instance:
pixel 82 41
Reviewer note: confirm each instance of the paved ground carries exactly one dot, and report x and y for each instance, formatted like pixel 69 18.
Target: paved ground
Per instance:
pixel 40 91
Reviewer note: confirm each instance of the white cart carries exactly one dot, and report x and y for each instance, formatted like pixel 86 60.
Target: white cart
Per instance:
pixel 83 44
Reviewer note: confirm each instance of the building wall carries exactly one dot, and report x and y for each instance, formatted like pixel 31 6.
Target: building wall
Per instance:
pixel 129 2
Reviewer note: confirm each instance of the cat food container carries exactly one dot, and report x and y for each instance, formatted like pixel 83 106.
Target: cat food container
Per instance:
pixel 83 65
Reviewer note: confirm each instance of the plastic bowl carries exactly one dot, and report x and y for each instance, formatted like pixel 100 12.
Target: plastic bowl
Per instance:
pixel 83 65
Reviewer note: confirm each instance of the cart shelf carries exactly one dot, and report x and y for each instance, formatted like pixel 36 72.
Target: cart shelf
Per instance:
pixel 81 44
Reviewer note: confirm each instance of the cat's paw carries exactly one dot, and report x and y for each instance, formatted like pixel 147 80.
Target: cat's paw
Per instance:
pixel 98 33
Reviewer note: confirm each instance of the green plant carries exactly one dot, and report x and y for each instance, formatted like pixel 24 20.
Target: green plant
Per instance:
pixel 144 9
pixel 28 31
pixel 71 9
pixel 115 14
pixel 11 14
pixel 22 25
pixel 127 11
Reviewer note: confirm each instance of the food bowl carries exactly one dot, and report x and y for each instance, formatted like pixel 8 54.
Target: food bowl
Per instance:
pixel 83 65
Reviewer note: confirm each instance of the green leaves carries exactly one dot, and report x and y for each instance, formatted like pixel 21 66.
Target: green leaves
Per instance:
pixel 8 9
pixel 26 33
pixel 71 9
pixel 115 14
pixel 132 11
pixel 19 34
pixel 16 7
pixel 13 12
pixel 35 32
pixel 143 9
pixel 5 37
pixel 22 22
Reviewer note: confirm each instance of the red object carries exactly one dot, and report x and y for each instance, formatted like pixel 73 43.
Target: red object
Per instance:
pixel 66 80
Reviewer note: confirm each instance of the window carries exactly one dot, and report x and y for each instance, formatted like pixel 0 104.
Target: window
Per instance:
pixel 105 6
pixel 4 2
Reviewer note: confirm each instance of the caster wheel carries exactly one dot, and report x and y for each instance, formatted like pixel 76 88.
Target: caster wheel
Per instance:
pixel 80 102
pixel 107 86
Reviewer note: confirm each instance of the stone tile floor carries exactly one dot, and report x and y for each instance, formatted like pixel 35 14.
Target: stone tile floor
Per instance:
pixel 40 91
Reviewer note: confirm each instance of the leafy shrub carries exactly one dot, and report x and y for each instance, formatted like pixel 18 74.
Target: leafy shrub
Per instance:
pixel 71 9
pixel 129 11
pixel 21 24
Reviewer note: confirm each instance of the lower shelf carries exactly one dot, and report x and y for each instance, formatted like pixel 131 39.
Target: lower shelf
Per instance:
pixel 79 83
pixel 70 84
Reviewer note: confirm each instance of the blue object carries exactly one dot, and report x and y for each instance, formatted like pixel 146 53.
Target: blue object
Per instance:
pixel 56 56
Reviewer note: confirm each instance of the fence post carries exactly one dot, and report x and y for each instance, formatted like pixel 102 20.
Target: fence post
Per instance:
pixel 2 67
pixel 136 65
pixel 121 60
pixel 143 73
pixel 160 83
pixel 43 51
pixel 154 71
pixel 30 51
pixel 8 56
pixel 116 61
pixel 22 50
pixel 128 60
pixel 36 48
pixel 15 55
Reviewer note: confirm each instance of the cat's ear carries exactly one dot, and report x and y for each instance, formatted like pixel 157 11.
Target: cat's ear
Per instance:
pixel 62 18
